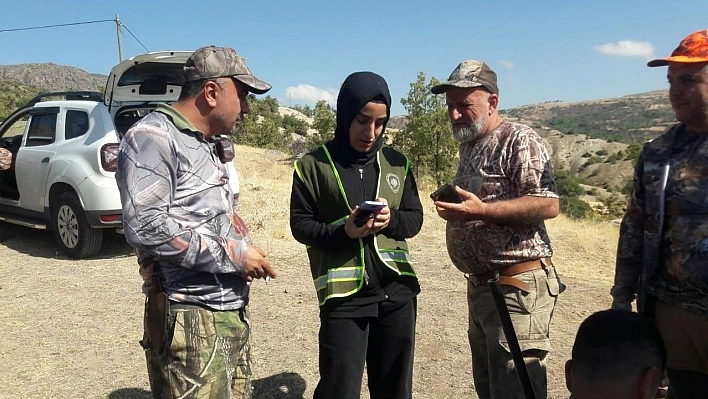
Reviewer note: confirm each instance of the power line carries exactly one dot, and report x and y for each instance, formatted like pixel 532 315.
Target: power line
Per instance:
pixel 136 39
pixel 120 25
pixel 59 25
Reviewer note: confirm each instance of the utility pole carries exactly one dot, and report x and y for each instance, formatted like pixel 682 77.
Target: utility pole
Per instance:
pixel 120 43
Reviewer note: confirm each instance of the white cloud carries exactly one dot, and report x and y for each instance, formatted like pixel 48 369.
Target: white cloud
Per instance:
pixel 310 94
pixel 627 48
pixel 506 64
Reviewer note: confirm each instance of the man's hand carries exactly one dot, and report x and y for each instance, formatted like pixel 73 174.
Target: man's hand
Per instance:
pixel 471 208
pixel 257 266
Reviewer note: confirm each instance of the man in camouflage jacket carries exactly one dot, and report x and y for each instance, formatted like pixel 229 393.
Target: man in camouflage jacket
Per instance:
pixel 662 255
pixel 195 253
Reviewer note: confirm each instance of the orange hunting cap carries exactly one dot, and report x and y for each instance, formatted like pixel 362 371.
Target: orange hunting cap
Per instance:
pixel 694 48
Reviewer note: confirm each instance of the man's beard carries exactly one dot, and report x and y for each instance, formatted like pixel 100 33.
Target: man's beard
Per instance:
pixel 469 132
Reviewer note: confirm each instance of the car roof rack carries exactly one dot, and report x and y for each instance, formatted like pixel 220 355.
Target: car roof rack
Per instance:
pixel 69 95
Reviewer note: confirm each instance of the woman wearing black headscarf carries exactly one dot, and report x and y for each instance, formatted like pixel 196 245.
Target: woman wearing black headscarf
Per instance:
pixel 365 284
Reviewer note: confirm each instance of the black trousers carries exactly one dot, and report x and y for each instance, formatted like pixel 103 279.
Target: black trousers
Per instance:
pixel 384 343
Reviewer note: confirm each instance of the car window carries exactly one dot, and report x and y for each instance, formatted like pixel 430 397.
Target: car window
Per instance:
pixel 42 130
pixel 12 136
pixel 171 74
pixel 76 124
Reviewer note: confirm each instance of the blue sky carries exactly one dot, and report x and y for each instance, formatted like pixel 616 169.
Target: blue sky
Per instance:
pixel 541 50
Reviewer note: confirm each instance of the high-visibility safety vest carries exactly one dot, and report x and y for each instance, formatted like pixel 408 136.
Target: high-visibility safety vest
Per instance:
pixel 341 272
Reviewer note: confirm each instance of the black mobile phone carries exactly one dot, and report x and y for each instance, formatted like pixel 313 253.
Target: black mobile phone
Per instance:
pixel 446 193
pixel 366 210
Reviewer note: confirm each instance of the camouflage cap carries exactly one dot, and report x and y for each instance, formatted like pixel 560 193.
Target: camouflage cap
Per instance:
pixel 693 48
pixel 217 62
pixel 469 74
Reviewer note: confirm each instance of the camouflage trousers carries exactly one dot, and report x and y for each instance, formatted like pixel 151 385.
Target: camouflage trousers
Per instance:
pixel 204 354
pixel 493 368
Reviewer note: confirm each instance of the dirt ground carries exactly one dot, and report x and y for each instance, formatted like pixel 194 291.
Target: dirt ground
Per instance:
pixel 70 329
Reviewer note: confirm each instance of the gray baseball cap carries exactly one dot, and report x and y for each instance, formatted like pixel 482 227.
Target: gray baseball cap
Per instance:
pixel 468 74
pixel 218 62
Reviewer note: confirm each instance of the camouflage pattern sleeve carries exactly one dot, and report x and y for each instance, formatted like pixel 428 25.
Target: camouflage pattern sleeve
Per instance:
pixel 158 224
pixel 631 244
pixel 531 172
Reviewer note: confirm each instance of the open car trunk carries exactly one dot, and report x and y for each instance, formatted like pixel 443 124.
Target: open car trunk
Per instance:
pixel 136 85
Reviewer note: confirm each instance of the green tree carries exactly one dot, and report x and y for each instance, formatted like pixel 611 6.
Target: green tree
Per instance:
pixel 263 132
pixel 293 124
pixel 324 123
pixel 266 106
pixel 427 138
pixel 262 126
pixel 305 110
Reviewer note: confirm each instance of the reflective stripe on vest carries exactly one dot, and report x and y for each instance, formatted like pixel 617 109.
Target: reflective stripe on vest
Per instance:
pixel 394 255
pixel 339 275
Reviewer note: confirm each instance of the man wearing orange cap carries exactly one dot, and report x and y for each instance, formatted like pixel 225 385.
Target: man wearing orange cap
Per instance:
pixel 662 256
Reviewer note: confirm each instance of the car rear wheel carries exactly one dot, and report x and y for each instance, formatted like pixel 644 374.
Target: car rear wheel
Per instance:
pixel 76 238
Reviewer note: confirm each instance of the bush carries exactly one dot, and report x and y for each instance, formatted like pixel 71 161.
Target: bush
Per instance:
pixel 574 207
pixel 615 157
pixel 568 186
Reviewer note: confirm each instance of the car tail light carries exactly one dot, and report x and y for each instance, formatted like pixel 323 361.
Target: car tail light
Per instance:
pixel 109 157
pixel 109 218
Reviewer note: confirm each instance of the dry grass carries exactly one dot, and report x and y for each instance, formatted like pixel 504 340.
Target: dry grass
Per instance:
pixel 71 328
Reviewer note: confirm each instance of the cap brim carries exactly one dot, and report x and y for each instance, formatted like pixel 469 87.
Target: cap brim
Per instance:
pixel 679 58
pixel 254 84
pixel 464 84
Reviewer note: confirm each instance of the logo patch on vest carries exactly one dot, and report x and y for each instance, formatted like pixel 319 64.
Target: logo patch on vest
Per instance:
pixel 393 182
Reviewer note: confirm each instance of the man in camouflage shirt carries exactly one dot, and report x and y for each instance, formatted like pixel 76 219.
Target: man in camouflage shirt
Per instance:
pixel 662 255
pixel 507 189
pixel 195 253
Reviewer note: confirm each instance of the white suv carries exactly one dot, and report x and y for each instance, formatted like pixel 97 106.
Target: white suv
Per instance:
pixel 62 175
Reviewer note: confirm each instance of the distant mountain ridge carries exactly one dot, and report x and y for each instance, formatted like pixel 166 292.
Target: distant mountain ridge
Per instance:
pixel 53 77
pixel 630 119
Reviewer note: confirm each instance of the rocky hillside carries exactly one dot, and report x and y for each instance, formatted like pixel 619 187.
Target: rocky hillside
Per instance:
pixel 13 95
pixel 631 119
pixel 53 77
pixel 599 139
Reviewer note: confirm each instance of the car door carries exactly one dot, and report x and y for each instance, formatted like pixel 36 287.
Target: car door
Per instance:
pixel 12 132
pixel 34 158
